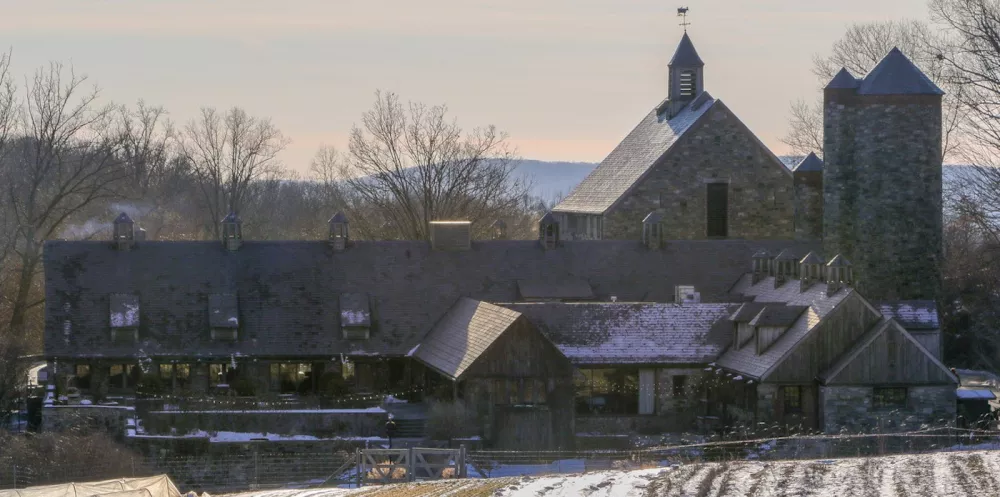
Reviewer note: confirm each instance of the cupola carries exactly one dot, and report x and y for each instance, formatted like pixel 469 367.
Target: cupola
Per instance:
pixel 124 232
pixel 339 234
pixel 785 267
pixel 548 231
pixel 652 231
pixel 839 274
pixel 232 231
pixel 761 265
pixel 810 271
pixel 686 72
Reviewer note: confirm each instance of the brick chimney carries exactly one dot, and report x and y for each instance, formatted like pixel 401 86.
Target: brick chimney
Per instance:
pixel 124 232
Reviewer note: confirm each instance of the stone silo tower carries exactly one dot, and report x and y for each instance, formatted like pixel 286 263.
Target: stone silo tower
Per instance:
pixel 882 205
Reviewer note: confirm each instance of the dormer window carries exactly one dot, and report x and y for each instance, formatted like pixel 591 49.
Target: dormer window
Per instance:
pixel 772 322
pixel 355 316
pixel 223 317
pixel 124 318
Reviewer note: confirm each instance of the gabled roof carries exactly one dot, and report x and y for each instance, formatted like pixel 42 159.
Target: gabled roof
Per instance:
pixel 895 74
pixel 289 291
pixel 844 80
pixel 811 163
pixel 462 335
pixel 912 314
pixel 745 359
pixel 631 159
pixel 632 333
pixel 884 325
pixel 747 311
pixel 686 55
pixel 565 288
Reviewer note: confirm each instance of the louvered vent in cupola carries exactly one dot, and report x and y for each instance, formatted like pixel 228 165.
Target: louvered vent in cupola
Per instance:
pixel 688 83
pixel 355 316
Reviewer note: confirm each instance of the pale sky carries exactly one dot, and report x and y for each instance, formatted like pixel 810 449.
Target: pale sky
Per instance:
pixel 567 79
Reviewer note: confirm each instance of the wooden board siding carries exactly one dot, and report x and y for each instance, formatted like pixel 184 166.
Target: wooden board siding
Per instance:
pixel 891 359
pixel 522 355
pixel 834 336
pixel 766 335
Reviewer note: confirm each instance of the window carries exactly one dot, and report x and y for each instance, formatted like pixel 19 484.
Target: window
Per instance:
pixel 718 209
pixel 122 376
pixel 176 375
pixel 221 374
pixel 82 380
pixel 680 384
pixel 291 378
pixel 889 397
pixel 607 391
pixel 792 399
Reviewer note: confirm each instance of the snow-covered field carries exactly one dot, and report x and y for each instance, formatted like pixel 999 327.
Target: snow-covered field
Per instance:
pixel 940 474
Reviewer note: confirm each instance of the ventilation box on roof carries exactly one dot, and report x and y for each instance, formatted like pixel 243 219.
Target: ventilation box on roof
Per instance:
pixel 685 294
pixel 451 235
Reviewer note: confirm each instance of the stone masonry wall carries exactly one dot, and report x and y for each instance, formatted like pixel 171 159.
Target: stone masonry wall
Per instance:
pixel 849 409
pixel 883 191
pixel 719 149
pixel 809 205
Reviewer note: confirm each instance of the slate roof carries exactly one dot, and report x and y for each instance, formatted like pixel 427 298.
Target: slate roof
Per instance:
pixel 566 288
pixel 912 314
pixel 811 163
pixel 790 161
pixel 289 291
pixel 223 311
pixel 462 335
pixel 745 360
pixel 631 159
pixel 895 74
pixel 778 315
pixel 747 311
pixel 632 333
pixel 843 80
pixel 686 55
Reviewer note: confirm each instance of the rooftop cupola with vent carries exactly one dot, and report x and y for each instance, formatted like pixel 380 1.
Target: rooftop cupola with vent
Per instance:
pixel 548 231
pixel 761 266
pixel 123 232
pixel 785 267
pixel 338 232
pixel 839 274
pixel 232 231
pixel 499 230
pixel 451 235
pixel 652 231
pixel 810 271
pixel 686 72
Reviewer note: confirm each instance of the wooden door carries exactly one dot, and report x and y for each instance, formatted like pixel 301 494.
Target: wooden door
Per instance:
pixel 647 391
pixel 718 209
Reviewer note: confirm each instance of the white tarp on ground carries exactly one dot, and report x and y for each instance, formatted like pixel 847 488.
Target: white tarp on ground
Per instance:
pixel 153 486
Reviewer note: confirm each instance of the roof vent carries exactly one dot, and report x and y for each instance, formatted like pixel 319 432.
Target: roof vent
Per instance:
pixel 451 235
pixel 338 232
pixel 124 232
pixel 685 294
pixel 614 298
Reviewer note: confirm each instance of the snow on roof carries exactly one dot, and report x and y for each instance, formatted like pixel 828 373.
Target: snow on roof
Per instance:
pixel 632 333
pixel 124 311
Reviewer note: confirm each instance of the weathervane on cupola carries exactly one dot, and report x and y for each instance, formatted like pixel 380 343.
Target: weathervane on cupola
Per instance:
pixel 682 12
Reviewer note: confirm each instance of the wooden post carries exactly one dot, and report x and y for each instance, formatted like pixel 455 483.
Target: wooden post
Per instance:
pixel 462 471
pixel 359 466
pixel 409 464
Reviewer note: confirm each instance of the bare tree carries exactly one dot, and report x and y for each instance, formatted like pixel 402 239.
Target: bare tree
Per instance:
pixel 62 161
pixel 413 165
pixel 859 50
pixel 228 153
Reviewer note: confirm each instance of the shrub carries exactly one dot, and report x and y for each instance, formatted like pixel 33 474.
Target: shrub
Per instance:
pixel 244 387
pixel 51 458
pixel 332 385
pixel 448 420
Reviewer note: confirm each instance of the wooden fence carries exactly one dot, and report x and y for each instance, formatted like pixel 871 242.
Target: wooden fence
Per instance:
pixel 381 466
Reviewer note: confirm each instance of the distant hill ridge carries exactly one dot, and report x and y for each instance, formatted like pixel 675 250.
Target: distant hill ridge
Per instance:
pixel 552 180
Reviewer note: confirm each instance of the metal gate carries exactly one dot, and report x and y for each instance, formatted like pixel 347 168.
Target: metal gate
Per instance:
pixel 381 466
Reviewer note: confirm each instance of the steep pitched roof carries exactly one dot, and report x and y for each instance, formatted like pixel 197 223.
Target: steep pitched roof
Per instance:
pixel 912 314
pixel 895 74
pixel 632 333
pixel 745 359
pixel 289 291
pixel 631 159
pixel 811 163
pixel 565 288
pixel 843 80
pixel 885 325
pixel 686 55
pixel 462 335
